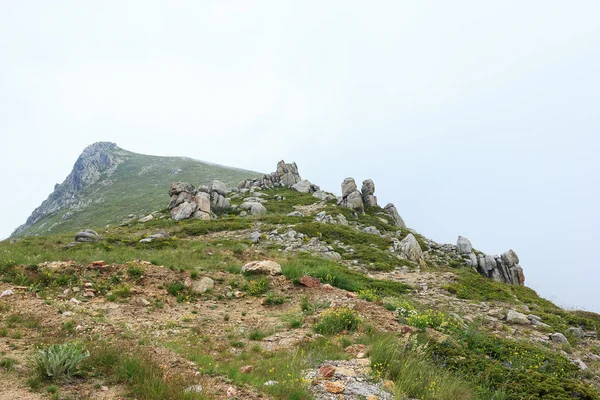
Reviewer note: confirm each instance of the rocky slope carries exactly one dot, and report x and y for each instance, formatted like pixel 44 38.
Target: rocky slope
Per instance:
pixel 271 288
pixel 109 184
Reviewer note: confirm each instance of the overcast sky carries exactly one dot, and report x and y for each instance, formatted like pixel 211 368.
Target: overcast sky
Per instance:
pixel 474 118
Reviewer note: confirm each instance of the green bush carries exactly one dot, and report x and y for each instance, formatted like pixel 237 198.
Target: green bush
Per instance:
pixel 257 287
pixel 337 320
pixel 59 360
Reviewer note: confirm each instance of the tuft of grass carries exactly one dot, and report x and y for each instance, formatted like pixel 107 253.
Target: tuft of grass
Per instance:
pixel 339 276
pixel 7 363
pixel 274 299
pixel 257 334
pixel 337 320
pixel 135 272
pixel 59 360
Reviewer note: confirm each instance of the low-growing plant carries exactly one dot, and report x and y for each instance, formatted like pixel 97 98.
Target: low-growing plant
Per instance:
pixel 337 320
pixel 257 287
pixel 135 272
pixel 368 295
pixel 59 360
pixel 257 334
pixel 274 299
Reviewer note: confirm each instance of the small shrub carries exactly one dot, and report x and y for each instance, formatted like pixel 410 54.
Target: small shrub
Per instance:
pixel 273 299
pixel 59 360
pixel 7 363
pixel 257 334
pixel 257 287
pixel 337 320
pixel 368 295
pixel 174 288
pixel 135 272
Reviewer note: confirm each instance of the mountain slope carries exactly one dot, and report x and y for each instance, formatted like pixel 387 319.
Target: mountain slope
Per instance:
pixel 108 183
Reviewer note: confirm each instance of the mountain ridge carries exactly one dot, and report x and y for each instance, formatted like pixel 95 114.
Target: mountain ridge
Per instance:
pixel 102 165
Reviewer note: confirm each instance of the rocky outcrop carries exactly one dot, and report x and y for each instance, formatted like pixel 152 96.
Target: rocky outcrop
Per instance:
pixel 393 212
pixel 463 245
pixel 97 161
pixel 304 186
pixel 218 201
pixel 87 236
pixel 504 268
pixel 351 198
pixel 286 175
pixel 368 193
pixel 408 248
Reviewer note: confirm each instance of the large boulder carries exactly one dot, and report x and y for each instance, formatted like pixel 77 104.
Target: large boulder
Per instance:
pixel 179 187
pixel 219 187
pixel 258 209
pixel 515 317
pixel 504 268
pixel 348 186
pixel 304 186
pixel 410 248
pixel 368 193
pixel 201 286
pixel 87 235
pixel 463 245
pixel 393 212
pixel 288 173
pixel 183 211
pixel 262 268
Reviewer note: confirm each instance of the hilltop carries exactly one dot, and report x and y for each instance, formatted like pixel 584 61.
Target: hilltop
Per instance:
pixel 271 288
pixel 109 185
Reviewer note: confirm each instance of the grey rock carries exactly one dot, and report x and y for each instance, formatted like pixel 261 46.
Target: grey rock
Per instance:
pixel 179 187
pixel 304 186
pixel 258 209
pixel 372 230
pixel 295 214
pixel 255 237
pixel 463 245
pixel 580 364
pixel 348 186
pixel 559 338
pixel 194 389
pixel 219 187
pixel 370 200
pixel 202 200
pixel 201 286
pixel 183 211
pixel 266 267
pixel 368 187
pixel 321 195
pixel 147 218
pixel 515 317
pixel 87 235
pixel 577 332
pixel 410 248
pixel 393 212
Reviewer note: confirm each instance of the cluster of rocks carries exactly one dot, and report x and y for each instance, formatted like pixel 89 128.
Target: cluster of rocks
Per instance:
pixel 188 202
pixel 286 175
pixel 356 200
pixel 292 241
pixel 503 268
pixel 348 379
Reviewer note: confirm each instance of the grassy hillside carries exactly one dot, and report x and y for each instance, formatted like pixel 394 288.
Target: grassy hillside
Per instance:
pixel 138 186
pixel 126 318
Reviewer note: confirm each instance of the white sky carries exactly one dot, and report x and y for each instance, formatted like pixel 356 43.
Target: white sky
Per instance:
pixel 474 118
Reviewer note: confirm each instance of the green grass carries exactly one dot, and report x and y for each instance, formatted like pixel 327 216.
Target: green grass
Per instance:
pixel 339 276
pixel 407 365
pixel 142 378
pixel 337 320
pixel 473 286
pixel 521 370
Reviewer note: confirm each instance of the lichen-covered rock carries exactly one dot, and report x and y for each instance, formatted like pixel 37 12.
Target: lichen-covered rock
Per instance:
pixel 463 245
pixel 348 186
pixel 304 186
pixel 258 209
pixel 409 247
pixel 515 317
pixel 87 235
pixel 393 212
pixel 266 267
